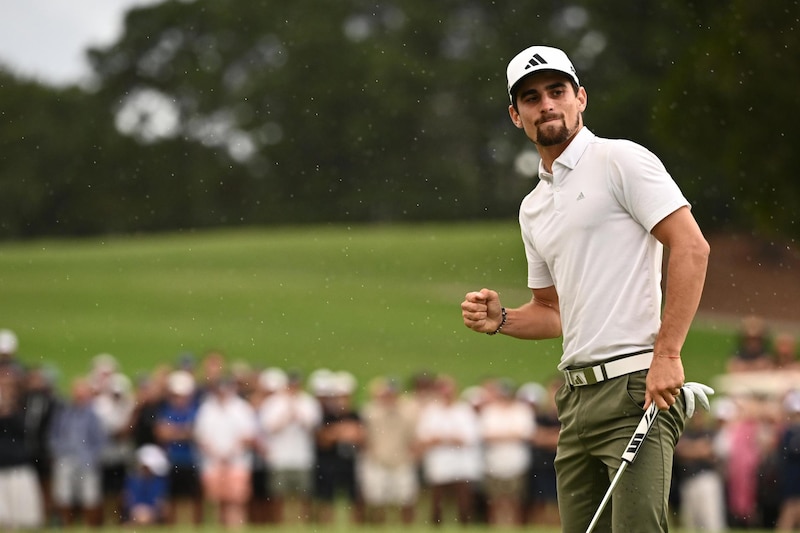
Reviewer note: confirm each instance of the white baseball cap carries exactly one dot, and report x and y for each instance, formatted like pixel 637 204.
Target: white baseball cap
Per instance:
pixel 120 384
pixel 791 403
pixel 273 379
pixel 153 458
pixel 181 383
pixel 344 383
pixel 537 59
pixel 8 342
pixel 531 392
pixel 322 382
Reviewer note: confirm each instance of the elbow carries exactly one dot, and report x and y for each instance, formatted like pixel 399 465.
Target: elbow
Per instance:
pixel 693 250
pixel 701 251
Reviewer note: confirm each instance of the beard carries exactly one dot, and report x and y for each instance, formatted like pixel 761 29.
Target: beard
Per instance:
pixel 552 135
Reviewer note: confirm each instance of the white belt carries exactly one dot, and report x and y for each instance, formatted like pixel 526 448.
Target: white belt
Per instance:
pixel 608 370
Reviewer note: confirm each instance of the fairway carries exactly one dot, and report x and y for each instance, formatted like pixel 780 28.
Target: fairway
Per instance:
pixel 369 299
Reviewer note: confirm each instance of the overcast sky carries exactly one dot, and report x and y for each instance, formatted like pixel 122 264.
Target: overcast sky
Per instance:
pixel 47 39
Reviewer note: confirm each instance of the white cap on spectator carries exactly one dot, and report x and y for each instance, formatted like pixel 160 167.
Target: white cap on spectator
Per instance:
pixel 321 382
pixel 474 395
pixel 120 384
pixel 273 379
pixel 180 382
pixel 344 383
pixel 531 392
pixel 724 408
pixel 791 402
pixel 104 362
pixel 153 458
pixel 9 344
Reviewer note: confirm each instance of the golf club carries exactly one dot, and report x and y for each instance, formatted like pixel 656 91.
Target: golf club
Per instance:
pixel 628 456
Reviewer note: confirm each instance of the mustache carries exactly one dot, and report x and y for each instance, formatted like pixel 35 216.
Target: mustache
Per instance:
pixel 549 116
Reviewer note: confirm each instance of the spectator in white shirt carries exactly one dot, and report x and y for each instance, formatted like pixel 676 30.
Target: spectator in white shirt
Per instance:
pixel 287 419
pixel 506 425
pixel 114 405
pixel 225 430
pixel 449 437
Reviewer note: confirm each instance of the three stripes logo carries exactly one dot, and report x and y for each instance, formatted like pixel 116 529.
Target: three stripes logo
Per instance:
pixel 578 379
pixel 535 61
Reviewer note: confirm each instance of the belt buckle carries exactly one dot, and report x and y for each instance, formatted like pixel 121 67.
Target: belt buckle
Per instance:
pixel 581 376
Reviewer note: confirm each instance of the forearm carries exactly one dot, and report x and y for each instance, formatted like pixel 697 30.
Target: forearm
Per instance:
pixel 686 273
pixel 535 320
pixel 540 318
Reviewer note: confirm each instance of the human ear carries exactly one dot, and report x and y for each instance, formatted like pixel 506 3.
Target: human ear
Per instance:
pixel 583 99
pixel 514 116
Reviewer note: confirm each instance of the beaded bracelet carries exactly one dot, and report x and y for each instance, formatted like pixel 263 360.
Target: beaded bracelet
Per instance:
pixel 502 322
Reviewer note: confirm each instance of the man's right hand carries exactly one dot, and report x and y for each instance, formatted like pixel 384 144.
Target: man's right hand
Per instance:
pixel 482 311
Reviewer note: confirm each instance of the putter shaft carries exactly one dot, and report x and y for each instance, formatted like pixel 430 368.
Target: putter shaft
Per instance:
pixel 628 456
pixel 607 496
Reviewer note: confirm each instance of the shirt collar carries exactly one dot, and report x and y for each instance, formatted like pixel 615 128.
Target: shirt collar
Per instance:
pixel 571 155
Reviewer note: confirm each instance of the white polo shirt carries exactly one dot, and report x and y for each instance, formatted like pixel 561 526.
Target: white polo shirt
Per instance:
pixel 222 428
pixel 447 463
pixel 586 229
pixel 288 422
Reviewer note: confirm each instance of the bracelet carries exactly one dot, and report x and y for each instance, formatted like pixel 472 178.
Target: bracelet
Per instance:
pixel 669 356
pixel 502 322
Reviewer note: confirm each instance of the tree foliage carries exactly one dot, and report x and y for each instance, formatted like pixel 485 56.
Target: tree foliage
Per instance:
pixel 216 113
pixel 727 112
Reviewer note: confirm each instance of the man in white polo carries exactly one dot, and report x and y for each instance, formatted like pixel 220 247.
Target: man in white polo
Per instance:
pixel 594 229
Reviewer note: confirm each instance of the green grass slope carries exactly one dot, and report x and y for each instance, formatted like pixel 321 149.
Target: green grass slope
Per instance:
pixel 368 299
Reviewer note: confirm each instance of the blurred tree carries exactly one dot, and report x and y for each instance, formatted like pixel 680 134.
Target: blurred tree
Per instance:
pixel 216 113
pixel 346 110
pixel 66 171
pixel 727 111
pixel 51 157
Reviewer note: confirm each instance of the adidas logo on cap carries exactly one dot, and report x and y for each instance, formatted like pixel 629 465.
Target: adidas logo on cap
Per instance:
pixel 538 58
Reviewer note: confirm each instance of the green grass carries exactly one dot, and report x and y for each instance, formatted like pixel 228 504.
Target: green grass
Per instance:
pixel 381 529
pixel 343 526
pixel 369 299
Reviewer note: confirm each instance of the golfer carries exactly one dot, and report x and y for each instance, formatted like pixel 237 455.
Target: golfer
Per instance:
pixel 594 229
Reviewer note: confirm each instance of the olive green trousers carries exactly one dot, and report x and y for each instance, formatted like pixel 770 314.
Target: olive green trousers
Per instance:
pixel 597 421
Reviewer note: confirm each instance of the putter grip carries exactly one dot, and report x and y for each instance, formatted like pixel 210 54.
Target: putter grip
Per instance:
pixel 632 449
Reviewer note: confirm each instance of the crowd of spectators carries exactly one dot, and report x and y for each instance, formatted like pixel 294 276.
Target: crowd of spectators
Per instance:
pixel 739 466
pixel 207 440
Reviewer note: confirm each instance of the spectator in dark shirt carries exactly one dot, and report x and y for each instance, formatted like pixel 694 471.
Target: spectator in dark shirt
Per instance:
pixel 752 352
pixel 20 497
pixel 789 460
pixel 145 491
pixel 338 439
pixel 701 486
pixel 149 400
pixel 542 498
pixel 40 405
pixel 174 431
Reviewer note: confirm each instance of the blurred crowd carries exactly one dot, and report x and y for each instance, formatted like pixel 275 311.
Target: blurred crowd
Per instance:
pixel 206 440
pixel 739 466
